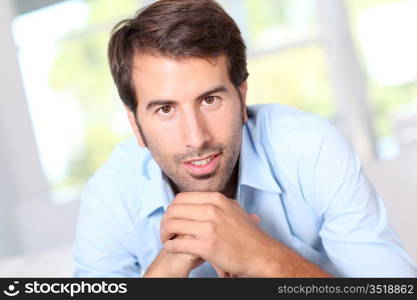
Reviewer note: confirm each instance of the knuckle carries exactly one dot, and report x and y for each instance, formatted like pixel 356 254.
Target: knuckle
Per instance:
pixel 170 210
pixel 218 196
pixel 163 228
pixel 210 228
pixel 169 224
pixel 212 211
pixel 178 197
pixel 236 203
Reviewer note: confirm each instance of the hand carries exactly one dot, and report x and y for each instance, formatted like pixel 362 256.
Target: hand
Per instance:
pixel 222 232
pixel 168 264
pixel 223 274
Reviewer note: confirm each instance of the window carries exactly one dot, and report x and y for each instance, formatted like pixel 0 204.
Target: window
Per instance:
pixel 76 113
pixel 384 32
pixel 78 117
pixel 285 59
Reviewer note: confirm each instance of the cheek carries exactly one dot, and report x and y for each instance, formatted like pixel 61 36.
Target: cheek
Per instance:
pixel 229 123
pixel 162 138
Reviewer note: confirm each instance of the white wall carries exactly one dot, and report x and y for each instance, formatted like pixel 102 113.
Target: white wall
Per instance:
pixel 396 181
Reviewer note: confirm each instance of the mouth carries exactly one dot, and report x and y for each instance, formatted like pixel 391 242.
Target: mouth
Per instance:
pixel 204 165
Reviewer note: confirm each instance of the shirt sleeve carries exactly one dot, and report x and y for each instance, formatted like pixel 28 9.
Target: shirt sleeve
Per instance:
pixel 355 231
pixel 103 246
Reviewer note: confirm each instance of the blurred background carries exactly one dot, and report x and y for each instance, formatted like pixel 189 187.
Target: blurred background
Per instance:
pixel 352 62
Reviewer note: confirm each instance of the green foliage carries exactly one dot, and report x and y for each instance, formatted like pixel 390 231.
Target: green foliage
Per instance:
pixel 297 77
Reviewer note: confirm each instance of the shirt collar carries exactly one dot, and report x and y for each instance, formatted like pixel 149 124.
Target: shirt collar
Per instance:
pixel 254 166
pixel 254 171
pixel 156 192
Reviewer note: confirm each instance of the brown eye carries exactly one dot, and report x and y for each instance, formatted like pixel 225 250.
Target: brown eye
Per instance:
pixel 209 99
pixel 166 109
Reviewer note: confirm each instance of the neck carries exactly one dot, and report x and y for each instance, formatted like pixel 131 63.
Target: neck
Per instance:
pixel 230 189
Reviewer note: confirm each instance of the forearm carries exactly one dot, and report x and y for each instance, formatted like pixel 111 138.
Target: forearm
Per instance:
pixel 281 261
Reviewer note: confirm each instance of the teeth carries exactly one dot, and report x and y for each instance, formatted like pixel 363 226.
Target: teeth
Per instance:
pixel 201 162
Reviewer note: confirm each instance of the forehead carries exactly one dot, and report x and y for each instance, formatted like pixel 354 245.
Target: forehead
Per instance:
pixel 156 76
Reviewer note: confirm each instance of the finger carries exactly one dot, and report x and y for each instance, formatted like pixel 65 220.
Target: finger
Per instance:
pixel 255 218
pixel 191 246
pixel 193 256
pixel 196 229
pixel 221 273
pixel 201 198
pixel 193 212
pixel 173 228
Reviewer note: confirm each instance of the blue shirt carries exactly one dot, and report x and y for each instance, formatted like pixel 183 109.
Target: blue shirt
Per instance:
pixel 296 172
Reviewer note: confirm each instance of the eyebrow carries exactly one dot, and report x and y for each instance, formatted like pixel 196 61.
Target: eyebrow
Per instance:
pixel 162 102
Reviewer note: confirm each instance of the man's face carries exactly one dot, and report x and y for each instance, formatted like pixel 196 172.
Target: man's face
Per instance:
pixel 190 117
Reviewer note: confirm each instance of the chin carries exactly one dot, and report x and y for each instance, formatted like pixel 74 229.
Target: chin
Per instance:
pixel 203 187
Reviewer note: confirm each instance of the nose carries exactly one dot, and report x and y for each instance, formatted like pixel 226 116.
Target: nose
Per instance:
pixel 195 129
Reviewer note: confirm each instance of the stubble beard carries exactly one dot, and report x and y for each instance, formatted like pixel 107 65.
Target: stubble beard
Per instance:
pixel 215 181
pixel 201 183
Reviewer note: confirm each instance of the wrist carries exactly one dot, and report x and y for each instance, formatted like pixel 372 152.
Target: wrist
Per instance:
pixel 170 265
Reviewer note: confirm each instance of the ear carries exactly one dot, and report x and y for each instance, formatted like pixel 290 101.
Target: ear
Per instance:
pixel 243 88
pixel 134 125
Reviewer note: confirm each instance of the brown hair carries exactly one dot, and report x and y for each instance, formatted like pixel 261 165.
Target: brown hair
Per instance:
pixel 179 29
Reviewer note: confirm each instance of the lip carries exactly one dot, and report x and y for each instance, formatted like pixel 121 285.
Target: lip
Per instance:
pixel 201 158
pixel 205 169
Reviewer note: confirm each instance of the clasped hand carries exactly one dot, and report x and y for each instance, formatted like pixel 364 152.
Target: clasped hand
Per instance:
pixel 211 227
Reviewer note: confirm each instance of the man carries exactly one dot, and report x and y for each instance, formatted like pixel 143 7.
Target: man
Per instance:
pixel 215 187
